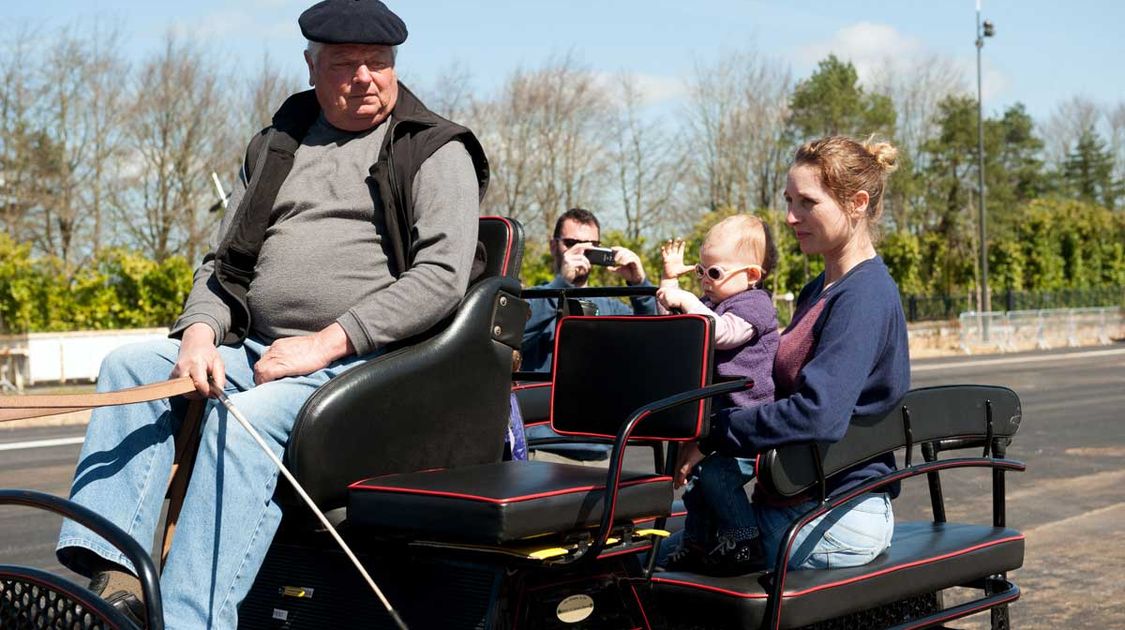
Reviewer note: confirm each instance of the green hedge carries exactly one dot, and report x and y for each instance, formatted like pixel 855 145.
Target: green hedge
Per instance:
pixel 1056 245
pixel 117 289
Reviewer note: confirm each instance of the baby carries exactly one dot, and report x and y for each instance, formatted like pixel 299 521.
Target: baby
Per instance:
pixel 720 533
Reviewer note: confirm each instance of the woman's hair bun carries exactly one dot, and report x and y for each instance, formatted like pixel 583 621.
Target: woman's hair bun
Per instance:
pixel 885 154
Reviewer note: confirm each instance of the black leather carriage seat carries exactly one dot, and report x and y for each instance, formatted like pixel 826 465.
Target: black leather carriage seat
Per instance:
pixel 496 504
pixel 924 557
pixel 410 409
pixel 605 369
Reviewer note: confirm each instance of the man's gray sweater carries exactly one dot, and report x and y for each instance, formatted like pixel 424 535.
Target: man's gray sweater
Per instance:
pixel 323 258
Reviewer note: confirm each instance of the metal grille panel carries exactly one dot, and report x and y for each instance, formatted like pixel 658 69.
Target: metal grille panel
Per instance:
pixel 27 605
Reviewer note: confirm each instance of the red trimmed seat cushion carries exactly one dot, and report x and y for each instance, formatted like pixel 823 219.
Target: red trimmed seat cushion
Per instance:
pixel 924 557
pixel 503 502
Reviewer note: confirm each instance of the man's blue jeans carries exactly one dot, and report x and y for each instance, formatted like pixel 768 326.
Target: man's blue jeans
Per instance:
pixel 229 516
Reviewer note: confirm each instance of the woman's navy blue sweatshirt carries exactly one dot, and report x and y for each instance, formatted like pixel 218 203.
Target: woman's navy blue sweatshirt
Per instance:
pixel 845 353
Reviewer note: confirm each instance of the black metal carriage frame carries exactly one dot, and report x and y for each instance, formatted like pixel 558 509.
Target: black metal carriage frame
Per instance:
pixel 610 519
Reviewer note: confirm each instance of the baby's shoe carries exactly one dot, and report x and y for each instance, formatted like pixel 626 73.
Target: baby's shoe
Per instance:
pixel 735 556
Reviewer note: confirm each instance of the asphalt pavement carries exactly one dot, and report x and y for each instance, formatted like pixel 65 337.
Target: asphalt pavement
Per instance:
pixel 1070 503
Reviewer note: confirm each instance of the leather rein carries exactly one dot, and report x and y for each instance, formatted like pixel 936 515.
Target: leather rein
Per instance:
pixel 35 406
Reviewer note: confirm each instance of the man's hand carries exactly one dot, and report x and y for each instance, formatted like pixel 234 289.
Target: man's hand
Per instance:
pixel 628 266
pixel 298 356
pixel 575 265
pixel 672 251
pixel 690 455
pixel 199 358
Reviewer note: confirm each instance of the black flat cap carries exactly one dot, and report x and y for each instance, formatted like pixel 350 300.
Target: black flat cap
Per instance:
pixel 352 22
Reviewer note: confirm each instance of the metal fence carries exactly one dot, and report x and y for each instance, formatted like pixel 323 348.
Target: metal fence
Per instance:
pixel 928 308
pixel 1040 329
pixel 922 308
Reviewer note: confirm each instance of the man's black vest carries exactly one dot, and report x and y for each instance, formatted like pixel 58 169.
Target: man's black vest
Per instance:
pixel 415 133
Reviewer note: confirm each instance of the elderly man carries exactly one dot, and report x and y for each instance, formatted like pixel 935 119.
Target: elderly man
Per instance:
pixel 576 231
pixel 354 226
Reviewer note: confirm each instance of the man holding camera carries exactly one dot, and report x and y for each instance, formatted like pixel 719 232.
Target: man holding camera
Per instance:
pixel 575 248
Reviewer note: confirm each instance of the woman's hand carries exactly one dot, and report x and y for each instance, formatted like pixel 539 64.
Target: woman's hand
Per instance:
pixel 690 455
pixel 672 251
pixel 199 359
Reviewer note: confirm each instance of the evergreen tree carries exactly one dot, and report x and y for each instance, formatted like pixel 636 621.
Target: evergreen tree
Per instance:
pixel 831 102
pixel 1020 156
pixel 951 167
pixel 1014 172
pixel 1088 170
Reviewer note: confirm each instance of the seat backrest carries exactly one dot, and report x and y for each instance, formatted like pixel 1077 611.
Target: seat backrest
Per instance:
pixel 534 400
pixel 969 414
pixel 503 244
pixel 605 368
pixel 440 401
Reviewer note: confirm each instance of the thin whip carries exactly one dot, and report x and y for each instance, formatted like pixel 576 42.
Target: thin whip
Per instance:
pixel 308 501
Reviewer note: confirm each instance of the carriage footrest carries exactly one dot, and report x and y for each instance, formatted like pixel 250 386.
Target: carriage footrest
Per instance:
pixel 502 503
pixel 924 557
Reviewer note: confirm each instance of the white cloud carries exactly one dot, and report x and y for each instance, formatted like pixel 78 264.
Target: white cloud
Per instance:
pixel 271 4
pixel 871 47
pixel 652 88
pixel 230 23
pixel 866 44
pixel 214 25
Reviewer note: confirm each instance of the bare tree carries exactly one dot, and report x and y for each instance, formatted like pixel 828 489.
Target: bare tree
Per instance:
pixel 1115 120
pixel 266 92
pixel 546 134
pixel 646 176
pixel 104 122
pixel 507 130
pixel 61 145
pixel 736 122
pixel 916 86
pixel 18 101
pixel 1065 125
pixel 80 126
pixel 179 132
pixel 450 94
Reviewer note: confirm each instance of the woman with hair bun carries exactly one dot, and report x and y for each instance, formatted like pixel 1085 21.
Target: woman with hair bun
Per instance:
pixel 844 354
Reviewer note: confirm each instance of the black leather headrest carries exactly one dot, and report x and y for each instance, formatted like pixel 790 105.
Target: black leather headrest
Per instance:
pixel 500 248
pixel 608 367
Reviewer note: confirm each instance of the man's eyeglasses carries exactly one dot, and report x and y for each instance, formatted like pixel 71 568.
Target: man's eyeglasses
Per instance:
pixel 571 242
pixel 717 273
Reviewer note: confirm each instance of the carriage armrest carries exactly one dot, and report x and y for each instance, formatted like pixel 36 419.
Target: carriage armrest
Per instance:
pixel 407 410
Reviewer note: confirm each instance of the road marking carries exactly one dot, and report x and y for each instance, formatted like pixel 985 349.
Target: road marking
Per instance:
pixel 1038 359
pixel 1069 521
pixel 19 446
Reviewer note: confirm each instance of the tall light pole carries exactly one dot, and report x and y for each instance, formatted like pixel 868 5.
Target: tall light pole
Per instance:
pixel 984 29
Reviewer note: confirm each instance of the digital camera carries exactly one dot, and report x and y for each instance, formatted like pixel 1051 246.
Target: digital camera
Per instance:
pixel 600 256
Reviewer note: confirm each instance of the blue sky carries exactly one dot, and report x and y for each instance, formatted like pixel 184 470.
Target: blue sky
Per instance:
pixel 1044 52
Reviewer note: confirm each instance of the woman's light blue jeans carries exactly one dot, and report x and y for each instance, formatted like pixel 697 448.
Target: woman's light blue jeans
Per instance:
pixel 848 536
pixel 229 517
